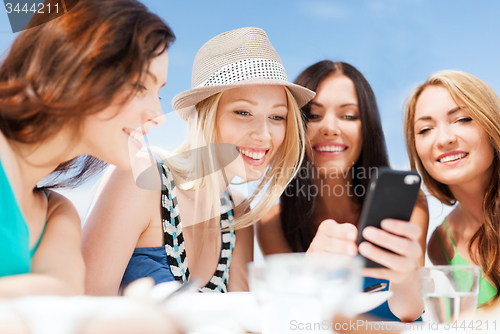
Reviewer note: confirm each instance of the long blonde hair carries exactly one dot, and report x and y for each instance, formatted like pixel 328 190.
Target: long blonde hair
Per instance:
pixel 190 163
pixel 482 104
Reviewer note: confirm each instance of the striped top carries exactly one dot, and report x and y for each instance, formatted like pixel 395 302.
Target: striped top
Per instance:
pixel 169 262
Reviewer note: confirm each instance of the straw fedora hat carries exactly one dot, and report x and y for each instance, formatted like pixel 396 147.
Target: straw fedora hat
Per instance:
pixel 236 58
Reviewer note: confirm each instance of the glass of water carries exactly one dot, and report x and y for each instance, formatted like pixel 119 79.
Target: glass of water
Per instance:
pixel 450 293
pixel 300 294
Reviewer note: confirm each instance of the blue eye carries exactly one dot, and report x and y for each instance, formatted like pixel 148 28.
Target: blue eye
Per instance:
pixel 242 113
pixel 350 117
pixel 278 118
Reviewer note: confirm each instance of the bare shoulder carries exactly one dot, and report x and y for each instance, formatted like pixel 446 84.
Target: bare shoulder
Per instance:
pixel 60 206
pixel 434 248
pixel 143 177
pixel 123 203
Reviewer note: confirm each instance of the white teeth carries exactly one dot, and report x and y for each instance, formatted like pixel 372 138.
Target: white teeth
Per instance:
pixel 330 148
pixel 253 155
pixel 453 157
pixel 134 134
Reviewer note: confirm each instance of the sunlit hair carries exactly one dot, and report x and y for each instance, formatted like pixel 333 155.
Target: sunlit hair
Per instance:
pixel 73 66
pixel 201 132
pixel 482 104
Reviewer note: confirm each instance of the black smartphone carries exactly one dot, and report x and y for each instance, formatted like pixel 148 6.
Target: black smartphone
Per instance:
pixel 391 194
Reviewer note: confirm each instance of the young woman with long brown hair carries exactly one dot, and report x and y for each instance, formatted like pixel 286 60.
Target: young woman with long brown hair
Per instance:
pixel 452 131
pixel 73 93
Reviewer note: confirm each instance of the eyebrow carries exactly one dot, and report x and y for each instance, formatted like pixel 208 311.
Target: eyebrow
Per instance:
pixel 256 104
pixel 450 112
pixel 341 106
pixel 279 105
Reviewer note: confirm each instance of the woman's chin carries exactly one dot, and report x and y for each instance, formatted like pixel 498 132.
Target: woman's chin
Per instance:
pixel 251 175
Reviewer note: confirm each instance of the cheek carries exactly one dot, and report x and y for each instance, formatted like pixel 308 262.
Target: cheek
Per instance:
pixel 424 152
pixel 224 131
pixel 278 135
pixel 311 131
pixel 420 148
pixel 486 150
pixel 354 135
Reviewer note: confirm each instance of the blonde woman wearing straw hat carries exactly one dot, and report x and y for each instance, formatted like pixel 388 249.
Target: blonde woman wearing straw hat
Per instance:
pixel 243 120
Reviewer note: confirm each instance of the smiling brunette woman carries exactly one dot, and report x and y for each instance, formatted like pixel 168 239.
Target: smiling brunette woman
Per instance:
pixel 69 88
pixel 453 138
pixel 319 210
pixel 242 104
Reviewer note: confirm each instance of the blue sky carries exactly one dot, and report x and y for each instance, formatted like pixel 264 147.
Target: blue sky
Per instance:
pixel 396 44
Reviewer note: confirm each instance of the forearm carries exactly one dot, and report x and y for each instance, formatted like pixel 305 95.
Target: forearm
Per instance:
pixel 37 284
pixel 406 302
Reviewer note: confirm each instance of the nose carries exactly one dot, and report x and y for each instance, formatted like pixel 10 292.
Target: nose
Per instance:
pixel 329 125
pixel 154 115
pixel 260 131
pixel 445 136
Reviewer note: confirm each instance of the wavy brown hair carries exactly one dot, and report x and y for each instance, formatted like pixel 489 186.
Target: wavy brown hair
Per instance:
pixel 75 65
pixel 482 104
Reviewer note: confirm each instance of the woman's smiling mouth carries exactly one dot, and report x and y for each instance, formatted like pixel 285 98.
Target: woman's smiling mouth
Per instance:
pixel 134 136
pixel 329 148
pixel 252 156
pixel 452 157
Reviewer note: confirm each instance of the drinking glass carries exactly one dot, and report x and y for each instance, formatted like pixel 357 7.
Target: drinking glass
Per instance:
pixel 299 293
pixel 450 293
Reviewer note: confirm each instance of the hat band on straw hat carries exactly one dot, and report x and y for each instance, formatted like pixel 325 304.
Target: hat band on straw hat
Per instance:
pixel 246 69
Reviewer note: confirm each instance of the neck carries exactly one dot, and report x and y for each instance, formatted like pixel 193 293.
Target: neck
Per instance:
pixel 36 161
pixel 470 197
pixel 336 200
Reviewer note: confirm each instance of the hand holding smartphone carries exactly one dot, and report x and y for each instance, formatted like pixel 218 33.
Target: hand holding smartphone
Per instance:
pixel 391 194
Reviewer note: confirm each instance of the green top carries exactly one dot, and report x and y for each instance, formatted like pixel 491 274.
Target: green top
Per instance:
pixel 15 254
pixel 486 290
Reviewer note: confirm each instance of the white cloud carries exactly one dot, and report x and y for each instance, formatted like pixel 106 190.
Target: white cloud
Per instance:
pixel 325 10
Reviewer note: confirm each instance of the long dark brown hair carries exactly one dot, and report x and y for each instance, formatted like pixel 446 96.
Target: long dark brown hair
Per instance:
pixel 482 104
pixel 297 206
pixel 58 73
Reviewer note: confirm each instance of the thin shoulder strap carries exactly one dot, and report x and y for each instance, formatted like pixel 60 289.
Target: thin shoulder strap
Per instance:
pixel 441 244
pixel 449 235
